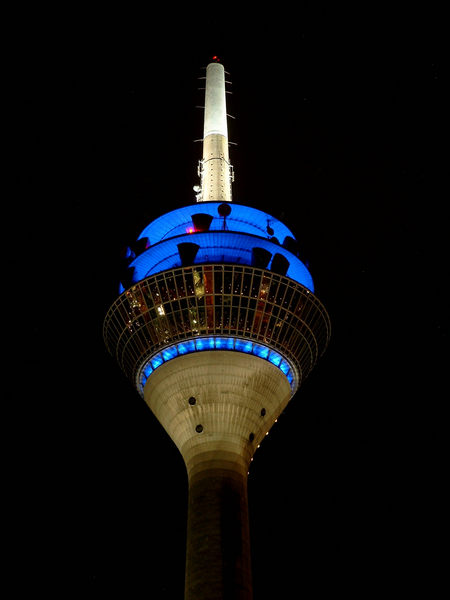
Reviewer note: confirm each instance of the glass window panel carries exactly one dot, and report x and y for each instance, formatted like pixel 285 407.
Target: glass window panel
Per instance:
pixel 226 316
pixel 155 292
pixel 237 282
pixel 210 317
pixel 199 283
pixel 218 317
pixel 181 289
pixel 249 320
pixel 246 282
pixel 273 290
pixel 257 321
pixel 265 286
pixel 256 283
pixel 178 322
pixel 280 293
pixel 287 297
pixel 209 288
pixel 218 282
pixel 190 287
pixel 227 282
pixel 234 318
pixel 171 289
pixel 264 323
pixel 241 320
pixel 295 300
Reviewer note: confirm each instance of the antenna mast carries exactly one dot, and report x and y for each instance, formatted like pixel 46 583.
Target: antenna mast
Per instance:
pixel 215 170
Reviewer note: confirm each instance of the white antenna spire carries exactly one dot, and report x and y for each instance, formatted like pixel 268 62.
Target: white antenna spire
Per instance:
pixel 215 171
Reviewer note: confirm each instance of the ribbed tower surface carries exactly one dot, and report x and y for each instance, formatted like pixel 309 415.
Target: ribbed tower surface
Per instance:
pixel 217 326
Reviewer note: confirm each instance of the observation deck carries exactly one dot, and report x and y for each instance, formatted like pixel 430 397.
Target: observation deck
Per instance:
pixel 217 307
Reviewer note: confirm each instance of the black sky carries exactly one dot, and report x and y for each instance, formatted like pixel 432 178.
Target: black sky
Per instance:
pixel 338 125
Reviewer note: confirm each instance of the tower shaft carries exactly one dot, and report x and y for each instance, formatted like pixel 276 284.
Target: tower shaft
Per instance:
pixel 215 170
pixel 218 564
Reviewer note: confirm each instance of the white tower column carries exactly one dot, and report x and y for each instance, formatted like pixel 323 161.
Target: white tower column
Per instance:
pixel 215 169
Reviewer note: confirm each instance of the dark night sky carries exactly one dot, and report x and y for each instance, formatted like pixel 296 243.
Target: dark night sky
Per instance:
pixel 338 125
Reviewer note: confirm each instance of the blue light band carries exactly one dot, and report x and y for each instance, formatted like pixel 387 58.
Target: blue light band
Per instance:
pixel 215 343
pixel 243 219
pixel 216 247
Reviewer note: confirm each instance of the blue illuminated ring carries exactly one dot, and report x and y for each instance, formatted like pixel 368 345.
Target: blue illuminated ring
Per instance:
pixel 199 344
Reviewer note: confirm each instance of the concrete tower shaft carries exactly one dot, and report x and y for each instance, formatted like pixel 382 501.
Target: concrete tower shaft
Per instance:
pixel 215 170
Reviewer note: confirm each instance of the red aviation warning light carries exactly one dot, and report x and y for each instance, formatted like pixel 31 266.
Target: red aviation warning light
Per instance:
pixel 215 58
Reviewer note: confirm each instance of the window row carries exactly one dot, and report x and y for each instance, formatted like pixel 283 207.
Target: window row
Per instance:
pixel 188 288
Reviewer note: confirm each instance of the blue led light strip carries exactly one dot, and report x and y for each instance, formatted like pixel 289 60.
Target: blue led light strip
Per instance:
pixel 215 343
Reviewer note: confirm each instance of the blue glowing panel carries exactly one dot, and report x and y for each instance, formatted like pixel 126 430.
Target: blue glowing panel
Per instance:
pixel 169 353
pixel 244 219
pixel 274 358
pixel 261 351
pixel 284 366
pixel 157 361
pixel 182 348
pixel 186 347
pixel 243 346
pixel 220 342
pixel 147 370
pixel 215 247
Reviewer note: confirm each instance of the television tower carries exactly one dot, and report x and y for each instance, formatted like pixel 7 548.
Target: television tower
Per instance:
pixel 217 326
